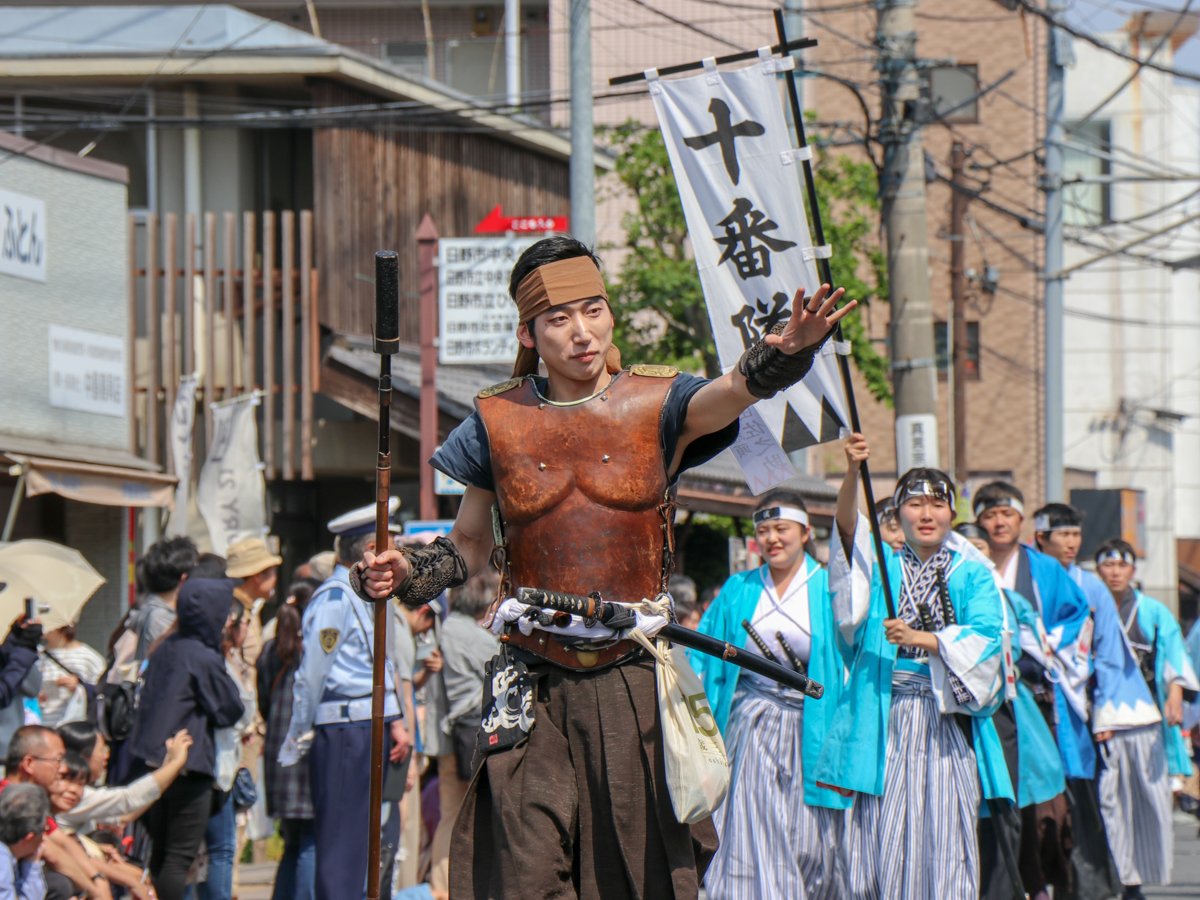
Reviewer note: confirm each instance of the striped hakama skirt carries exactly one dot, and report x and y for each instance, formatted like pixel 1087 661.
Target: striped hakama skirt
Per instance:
pixel 917 841
pixel 1136 801
pixel 771 844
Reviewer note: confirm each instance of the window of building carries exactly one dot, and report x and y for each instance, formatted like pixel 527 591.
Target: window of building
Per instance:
pixel 408 56
pixel 942 349
pixel 949 90
pixel 1087 204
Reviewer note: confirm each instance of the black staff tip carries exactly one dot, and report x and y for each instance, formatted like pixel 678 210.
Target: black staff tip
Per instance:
pixel 387 301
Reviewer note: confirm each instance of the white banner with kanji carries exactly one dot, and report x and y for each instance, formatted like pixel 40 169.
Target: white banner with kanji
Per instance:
pixel 741 184
pixel 232 492
pixel 179 445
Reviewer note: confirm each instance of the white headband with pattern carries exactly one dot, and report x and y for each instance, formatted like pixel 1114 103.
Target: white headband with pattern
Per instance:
pixel 1042 523
pixel 1115 555
pixel 790 513
pixel 983 505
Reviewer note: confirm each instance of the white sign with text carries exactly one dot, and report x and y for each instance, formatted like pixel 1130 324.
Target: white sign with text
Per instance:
pixel 22 236
pixel 87 371
pixel 477 320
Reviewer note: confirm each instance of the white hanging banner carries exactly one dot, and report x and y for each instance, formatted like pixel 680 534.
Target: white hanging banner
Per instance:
pixel 179 445
pixel 231 494
pixel 736 170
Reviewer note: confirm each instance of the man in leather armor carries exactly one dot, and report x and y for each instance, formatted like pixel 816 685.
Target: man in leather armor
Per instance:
pixel 577 466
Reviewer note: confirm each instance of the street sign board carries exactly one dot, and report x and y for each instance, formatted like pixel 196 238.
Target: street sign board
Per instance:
pixel 477 320
pixel 446 486
pixel 496 222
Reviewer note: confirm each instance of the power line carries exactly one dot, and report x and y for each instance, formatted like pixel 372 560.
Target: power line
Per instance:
pixel 1096 42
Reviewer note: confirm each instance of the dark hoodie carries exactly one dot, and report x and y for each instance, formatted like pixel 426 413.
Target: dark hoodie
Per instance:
pixel 185 683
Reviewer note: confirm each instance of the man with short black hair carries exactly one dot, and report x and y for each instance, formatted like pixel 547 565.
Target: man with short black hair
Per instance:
pixel 35 757
pixel 164 569
pixel 331 713
pixel 1119 700
pixel 567 476
pixel 24 809
pixel 1135 786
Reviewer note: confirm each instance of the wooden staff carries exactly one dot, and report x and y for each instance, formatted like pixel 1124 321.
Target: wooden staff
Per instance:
pixel 387 342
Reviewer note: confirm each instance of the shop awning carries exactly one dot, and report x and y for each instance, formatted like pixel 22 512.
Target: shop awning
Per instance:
pixel 94 483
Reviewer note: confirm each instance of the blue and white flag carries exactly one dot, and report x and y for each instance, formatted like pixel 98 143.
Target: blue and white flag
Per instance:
pixel 740 180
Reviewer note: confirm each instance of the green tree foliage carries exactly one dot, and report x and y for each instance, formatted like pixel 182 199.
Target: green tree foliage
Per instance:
pixel 659 276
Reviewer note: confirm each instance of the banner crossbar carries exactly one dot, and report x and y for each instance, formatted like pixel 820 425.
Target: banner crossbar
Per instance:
pixel 782 47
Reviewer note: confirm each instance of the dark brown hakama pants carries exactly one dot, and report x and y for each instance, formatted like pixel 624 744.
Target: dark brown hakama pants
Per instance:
pixel 580 809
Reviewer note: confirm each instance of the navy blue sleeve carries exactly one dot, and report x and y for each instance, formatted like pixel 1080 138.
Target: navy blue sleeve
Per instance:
pixel 465 455
pixel 675 410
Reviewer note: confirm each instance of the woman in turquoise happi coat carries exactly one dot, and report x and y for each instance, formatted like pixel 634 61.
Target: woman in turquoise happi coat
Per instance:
pixel 912 736
pixel 779 831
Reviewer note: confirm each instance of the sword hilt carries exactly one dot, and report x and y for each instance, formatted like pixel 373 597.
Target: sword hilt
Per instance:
pixel 759 642
pixel 796 661
pixel 926 617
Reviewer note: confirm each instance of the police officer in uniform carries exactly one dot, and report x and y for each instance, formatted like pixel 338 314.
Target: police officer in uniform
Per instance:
pixel 331 714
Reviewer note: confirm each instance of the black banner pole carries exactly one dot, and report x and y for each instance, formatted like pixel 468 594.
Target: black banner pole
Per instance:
pixel 826 278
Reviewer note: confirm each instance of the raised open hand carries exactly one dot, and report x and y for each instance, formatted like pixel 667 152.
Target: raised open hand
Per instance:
pixel 811 320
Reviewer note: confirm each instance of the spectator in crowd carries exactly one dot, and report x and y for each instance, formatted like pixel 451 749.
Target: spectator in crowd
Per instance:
pixel 106 805
pixel 164 569
pixel 289 797
pixel 688 614
pixel 65 793
pixel 185 685
pixel 298 594
pixel 258 569
pixel 683 588
pixel 221 835
pixel 19 675
pixel 24 809
pixel 67 665
pixel 209 565
pixel 707 596
pixel 466 648
pixel 35 756
pixel 319 567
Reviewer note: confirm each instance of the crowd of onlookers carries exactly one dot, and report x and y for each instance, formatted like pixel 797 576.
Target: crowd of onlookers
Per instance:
pixel 148 765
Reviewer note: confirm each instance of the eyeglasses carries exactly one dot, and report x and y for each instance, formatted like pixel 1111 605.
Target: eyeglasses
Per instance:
pixel 57 760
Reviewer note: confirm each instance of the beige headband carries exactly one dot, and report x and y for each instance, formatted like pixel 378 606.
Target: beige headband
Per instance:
pixel 551 285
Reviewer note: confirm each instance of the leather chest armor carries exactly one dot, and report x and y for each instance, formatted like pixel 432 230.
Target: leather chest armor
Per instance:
pixel 582 488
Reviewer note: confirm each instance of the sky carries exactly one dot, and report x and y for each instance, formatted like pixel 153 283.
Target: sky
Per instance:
pixel 1111 15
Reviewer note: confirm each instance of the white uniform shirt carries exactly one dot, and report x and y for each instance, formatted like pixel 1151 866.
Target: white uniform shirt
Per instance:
pixel 787 614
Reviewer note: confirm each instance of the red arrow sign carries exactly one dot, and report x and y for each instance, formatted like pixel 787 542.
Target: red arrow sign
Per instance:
pixel 496 222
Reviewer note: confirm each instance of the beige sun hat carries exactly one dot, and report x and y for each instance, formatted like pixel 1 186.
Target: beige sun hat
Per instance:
pixel 249 557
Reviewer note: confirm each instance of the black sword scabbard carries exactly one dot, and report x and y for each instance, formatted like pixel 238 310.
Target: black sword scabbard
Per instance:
pixel 759 642
pixel 793 658
pixel 948 616
pixel 607 611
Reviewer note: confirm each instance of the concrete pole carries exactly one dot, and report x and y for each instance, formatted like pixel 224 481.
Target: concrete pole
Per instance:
pixel 583 170
pixel 512 50
pixel 151 152
pixel 427 280
pixel 914 366
pixel 192 189
pixel 1059 54
pixel 958 332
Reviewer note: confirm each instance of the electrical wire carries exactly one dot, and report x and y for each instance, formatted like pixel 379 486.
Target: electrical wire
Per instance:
pixel 1096 42
pixel 1079 123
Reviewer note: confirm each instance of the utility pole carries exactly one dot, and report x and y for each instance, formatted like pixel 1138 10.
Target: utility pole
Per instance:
pixel 1060 53
pixel 512 51
pixel 958 291
pixel 914 366
pixel 583 170
pixel 427 247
